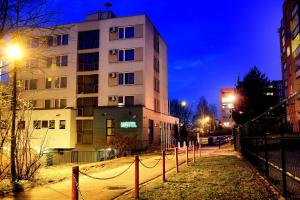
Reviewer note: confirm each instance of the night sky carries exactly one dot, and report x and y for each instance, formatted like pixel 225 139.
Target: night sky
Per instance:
pixel 210 42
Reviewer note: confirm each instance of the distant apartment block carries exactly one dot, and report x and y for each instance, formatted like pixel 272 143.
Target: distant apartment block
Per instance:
pixel 92 81
pixel 227 98
pixel 290 59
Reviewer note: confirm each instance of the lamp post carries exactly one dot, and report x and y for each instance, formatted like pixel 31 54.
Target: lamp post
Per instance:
pixel 14 54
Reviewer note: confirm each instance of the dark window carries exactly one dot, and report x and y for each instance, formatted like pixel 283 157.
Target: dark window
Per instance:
pixel 127 32
pixel 51 124
pixel 88 84
pixel 50 41
pixel 33 43
pixel 129 100
pixel 62 40
pixel 151 131
pixel 47 103
pixel 45 124
pixel 156 41
pixel 126 55
pixel 3 124
pixel 63 82
pixel 121 33
pixel 88 61
pixel 156 64
pixel 61 61
pixel 126 78
pixel 56 103
pixel 88 39
pixel 64 61
pixel 86 105
pixel 21 125
pixel 121 100
pixel 37 124
pixel 33 84
pixel 84 131
pixel 63 103
pixel 62 124
pixel 121 79
pixel 129 78
pixel 129 55
pixel 65 39
pixel 48 83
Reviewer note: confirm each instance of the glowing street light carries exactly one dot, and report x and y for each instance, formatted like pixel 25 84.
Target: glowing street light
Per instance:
pixel 183 103
pixel 14 52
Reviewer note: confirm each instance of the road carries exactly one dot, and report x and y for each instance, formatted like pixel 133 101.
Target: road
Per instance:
pixel 107 189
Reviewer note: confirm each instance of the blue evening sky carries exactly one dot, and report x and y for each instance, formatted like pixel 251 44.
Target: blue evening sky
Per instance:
pixel 210 42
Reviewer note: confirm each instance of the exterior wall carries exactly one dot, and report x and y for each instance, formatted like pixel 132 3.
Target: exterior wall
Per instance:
pixel 164 125
pixel 290 59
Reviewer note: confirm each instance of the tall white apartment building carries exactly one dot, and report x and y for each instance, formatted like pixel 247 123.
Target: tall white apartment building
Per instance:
pixel 94 80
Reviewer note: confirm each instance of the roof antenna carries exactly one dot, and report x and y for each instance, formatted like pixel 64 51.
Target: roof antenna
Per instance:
pixel 107 5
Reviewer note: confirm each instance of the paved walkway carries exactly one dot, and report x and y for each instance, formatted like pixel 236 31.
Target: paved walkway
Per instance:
pixel 107 189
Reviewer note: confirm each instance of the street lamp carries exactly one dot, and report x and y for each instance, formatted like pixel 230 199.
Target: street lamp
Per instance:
pixel 14 53
pixel 183 103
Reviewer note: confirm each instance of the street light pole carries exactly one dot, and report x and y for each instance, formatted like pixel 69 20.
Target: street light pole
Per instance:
pixel 13 127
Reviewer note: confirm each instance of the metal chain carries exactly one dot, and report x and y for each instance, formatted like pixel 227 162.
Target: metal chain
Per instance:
pixel 108 178
pixel 170 158
pixel 149 167
pixel 78 189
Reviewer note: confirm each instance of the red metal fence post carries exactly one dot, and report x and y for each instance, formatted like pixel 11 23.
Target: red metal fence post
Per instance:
pixel 176 159
pixel 163 166
pixel 75 181
pixel 194 154
pixel 136 180
pixel 187 156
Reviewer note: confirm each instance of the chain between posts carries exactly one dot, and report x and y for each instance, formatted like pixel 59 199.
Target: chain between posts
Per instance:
pixel 149 167
pixel 171 157
pixel 108 178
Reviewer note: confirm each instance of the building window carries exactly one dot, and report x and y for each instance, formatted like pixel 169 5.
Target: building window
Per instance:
pixel 63 82
pixel 62 124
pixel 84 131
pixel 126 78
pixel 63 103
pixel 31 84
pixel 33 103
pixel 156 85
pixel 156 64
pixel 87 84
pixel 126 32
pixel 21 125
pixel 88 39
pixel 32 63
pixel 48 83
pixel 3 124
pixel 61 61
pixel 62 40
pixel 56 103
pixel 156 105
pixel 47 104
pixel 33 43
pixel 86 105
pixel 126 100
pixel 51 124
pixel 126 55
pixel 45 124
pixel 88 61
pixel 110 130
pixel 37 124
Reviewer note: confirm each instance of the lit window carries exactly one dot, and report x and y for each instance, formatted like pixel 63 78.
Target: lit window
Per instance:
pixel 48 83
